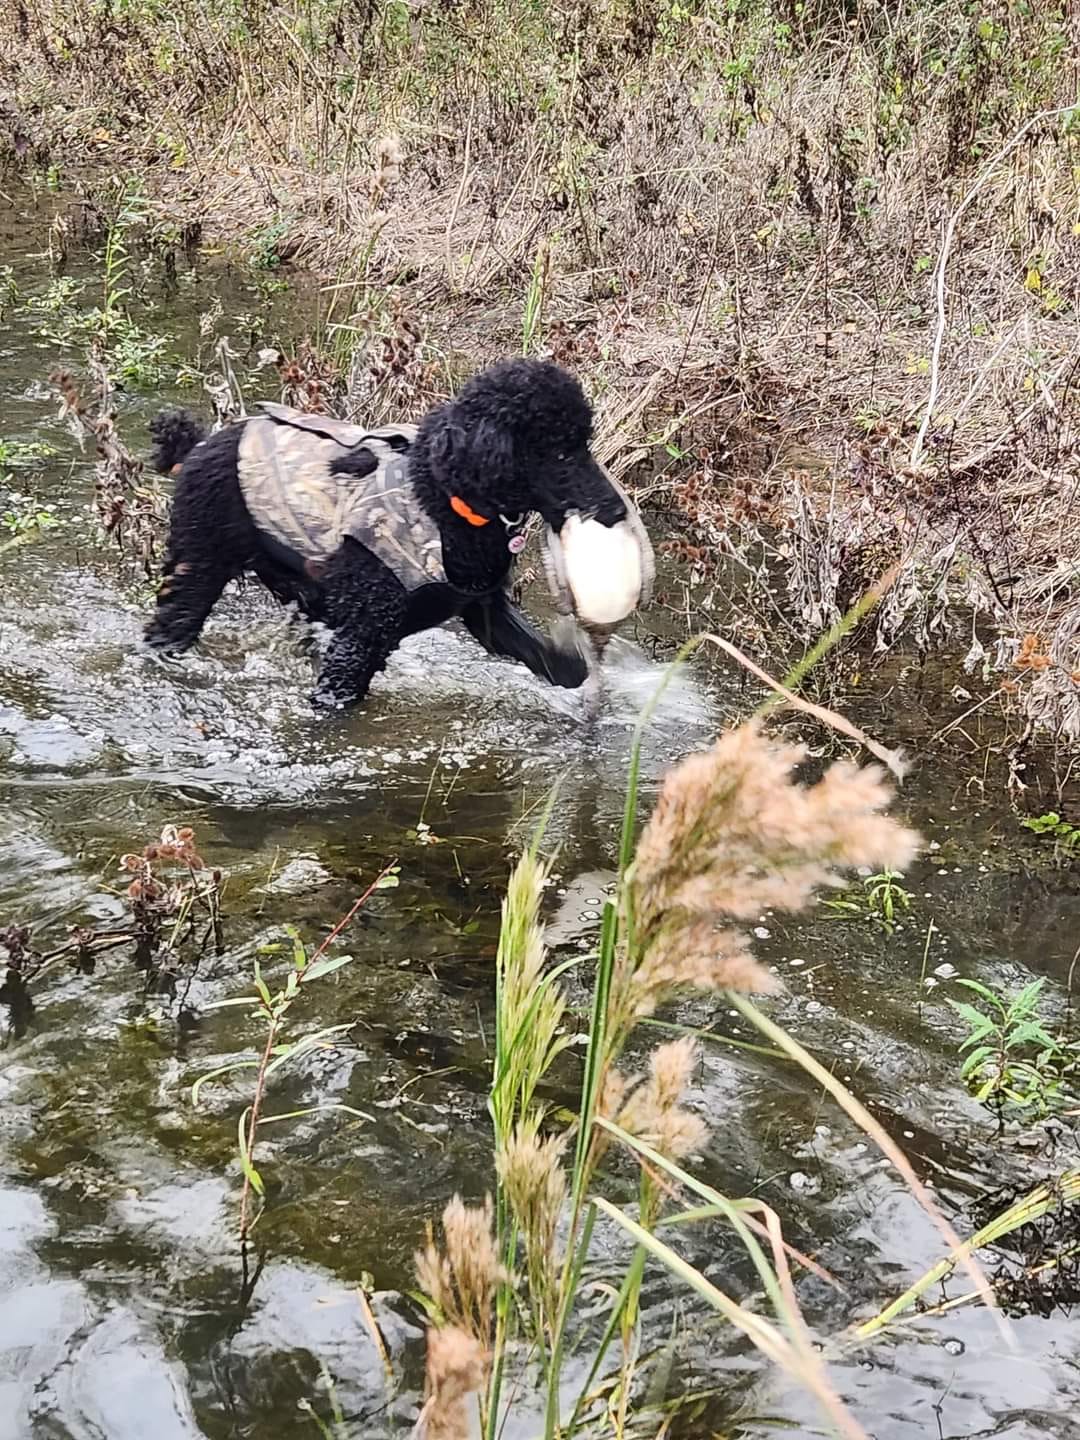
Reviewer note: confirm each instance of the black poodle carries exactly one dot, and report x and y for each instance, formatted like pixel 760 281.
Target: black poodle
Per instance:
pixel 382 533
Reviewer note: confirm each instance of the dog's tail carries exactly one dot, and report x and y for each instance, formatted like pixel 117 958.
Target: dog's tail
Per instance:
pixel 175 434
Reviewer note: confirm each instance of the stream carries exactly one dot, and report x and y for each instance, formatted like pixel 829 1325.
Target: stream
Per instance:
pixel 124 1309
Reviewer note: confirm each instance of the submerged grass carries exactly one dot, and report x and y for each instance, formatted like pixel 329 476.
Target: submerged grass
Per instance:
pixel 1048 1199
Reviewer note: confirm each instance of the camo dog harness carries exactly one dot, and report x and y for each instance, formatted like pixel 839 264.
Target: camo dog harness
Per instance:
pixel 286 466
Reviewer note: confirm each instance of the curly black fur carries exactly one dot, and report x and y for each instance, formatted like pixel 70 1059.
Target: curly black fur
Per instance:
pixel 515 440
pixel 175 434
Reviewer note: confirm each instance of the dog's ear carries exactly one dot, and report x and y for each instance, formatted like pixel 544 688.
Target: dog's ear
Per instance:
pixel 444 442
pixel 477 458
pixel 487 457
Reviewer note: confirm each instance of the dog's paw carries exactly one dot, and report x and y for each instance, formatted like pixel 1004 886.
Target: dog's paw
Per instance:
pixel 162 646
pixel 326 702
pixel 568 655
pixel 568 671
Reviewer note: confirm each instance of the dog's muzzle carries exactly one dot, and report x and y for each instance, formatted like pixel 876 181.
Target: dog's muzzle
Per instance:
pixel 600 573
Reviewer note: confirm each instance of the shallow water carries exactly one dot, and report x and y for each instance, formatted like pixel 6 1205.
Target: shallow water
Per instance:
pixel 124 1310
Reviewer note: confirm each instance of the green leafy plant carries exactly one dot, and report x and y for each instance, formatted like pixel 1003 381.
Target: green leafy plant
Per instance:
pixel 885 897
pixel 58 298
pixel 25 515
pixel 128 208
pixel 136 356
pixel 24 453
pixel 9 289
pixel 130 352
pixel 264 249
pixel 881 899
pixel 1012 1058
pixel 1064 834
pixel 272 1009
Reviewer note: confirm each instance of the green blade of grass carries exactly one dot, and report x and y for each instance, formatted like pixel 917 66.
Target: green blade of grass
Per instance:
pixel 725 1206
pixel 866 1122
pixel 216 1075
pixel 1032 1207
pixel 772 1344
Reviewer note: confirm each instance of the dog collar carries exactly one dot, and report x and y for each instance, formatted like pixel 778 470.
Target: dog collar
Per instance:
pixel 467 513
pixel 516 542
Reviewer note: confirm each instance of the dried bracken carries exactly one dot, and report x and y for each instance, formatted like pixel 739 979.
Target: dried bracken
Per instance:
pixel 174 919
pixel 172 889
pixel 129 505
pixel 392 373
pixel 308 379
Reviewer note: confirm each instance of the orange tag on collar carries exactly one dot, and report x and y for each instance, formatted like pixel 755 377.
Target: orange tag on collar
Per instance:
pixel 466 512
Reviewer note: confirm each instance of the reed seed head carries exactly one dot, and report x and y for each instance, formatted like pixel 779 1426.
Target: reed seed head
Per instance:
pixel 531 1172
pixel 732 835
pixel 456 1368
pixel 462 1277
pixel 652 1112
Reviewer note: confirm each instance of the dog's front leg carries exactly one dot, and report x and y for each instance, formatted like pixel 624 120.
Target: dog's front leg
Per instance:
pixel 504 630
pixel 367 607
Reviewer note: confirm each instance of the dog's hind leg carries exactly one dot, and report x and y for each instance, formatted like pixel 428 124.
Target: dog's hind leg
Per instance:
pixel 354 658
pixel 211 535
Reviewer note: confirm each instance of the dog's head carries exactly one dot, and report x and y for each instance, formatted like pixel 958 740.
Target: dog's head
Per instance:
pixel 515 441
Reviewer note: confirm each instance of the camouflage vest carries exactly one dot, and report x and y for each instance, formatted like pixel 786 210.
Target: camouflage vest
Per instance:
pixel 285 464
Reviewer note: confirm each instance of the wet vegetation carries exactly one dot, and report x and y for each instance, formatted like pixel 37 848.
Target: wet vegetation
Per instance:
pixel 299 1137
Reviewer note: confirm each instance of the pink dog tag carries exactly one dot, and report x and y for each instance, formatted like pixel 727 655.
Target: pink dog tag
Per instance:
pixel 516 544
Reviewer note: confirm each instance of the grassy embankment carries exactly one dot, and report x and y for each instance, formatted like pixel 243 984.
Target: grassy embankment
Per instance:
pixel 825 252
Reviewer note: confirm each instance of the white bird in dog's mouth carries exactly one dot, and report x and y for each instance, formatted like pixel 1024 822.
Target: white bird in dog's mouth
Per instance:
pixel 600 574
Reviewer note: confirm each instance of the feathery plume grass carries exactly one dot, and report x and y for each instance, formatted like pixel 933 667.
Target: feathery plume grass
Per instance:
pixel 454 1371
pixel 532 1176
pixel 653 1113
pixel 461 1278
pixel 530 1010
pixel 733 834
